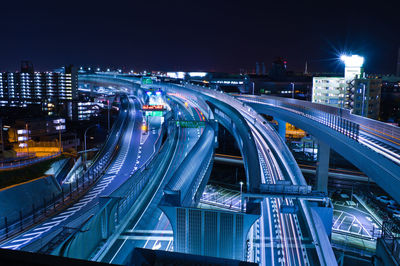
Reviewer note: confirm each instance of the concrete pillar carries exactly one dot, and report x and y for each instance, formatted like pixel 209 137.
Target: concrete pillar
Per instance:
pixel 281 128
pixel 322 166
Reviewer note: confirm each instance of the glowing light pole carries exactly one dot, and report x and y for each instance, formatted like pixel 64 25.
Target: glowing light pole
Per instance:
pixel 352 68
pixel 85 155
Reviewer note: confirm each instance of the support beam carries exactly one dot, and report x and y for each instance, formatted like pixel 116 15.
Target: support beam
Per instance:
pixel 323 166
pixel 281 128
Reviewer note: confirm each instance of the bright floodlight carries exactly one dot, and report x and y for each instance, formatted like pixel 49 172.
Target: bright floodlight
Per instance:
pixel 197 74
pixel 353 60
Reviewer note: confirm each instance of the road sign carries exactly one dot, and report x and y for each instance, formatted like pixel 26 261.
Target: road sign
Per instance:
pixel 158 107
pixel 147 80
pixel 190 124
pixel 154 113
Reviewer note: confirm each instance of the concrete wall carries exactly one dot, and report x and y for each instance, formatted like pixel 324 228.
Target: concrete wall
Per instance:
pixel 25 196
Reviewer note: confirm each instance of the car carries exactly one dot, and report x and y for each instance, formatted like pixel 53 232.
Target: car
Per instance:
pixel 385 200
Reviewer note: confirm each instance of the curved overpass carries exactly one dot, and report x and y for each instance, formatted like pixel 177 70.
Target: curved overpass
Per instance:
pixel 376 156
pixel 283 161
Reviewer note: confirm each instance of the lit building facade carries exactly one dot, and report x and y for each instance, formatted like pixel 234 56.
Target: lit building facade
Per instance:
pixel 365 97
pixel 48 89
pixel 354 91
pixel 329 90
pixel 82 110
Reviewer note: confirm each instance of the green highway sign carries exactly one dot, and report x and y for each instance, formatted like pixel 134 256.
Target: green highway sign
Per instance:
pixel 146 80
pixel 190 124
pixel 154 113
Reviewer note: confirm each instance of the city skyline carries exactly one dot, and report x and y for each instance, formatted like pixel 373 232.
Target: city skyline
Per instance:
pixel 177 36
pixel 200 133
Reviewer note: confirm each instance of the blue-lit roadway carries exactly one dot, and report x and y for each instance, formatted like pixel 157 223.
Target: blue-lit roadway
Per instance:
pixel 136 149
pixel 153 230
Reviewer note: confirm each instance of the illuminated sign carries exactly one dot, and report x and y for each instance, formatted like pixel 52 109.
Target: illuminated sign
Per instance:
pixel 147 80
pixel 154 113
pixel 158 107
pixel 191 124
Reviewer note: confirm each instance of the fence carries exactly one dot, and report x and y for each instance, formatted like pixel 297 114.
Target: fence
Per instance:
pixel 121 203
pixel 69 193
pixel 24 163
pixel 326 115
pixel 377 126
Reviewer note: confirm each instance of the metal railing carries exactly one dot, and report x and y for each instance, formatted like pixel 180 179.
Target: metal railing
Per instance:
pixel 69 193
pixel 118 205
pixel 329 118
pixel 24 163
pixel 378 126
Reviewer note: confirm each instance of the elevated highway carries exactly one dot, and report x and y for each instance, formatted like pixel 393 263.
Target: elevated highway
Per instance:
pixel 125 151
pixel 374 149
pixel 277 163
pixel 268 160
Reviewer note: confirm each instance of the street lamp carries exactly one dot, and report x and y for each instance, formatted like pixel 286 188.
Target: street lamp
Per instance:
pixel 85 155
pixel 60 126
pixel 241 198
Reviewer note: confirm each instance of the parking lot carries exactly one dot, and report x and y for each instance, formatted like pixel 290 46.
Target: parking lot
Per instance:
pixel 350 219
pixel 354 223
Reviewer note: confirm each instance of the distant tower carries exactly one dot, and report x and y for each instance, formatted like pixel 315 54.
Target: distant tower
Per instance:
pixel 398 64
pixel 257 69
pixel 263 68
pixel 305 69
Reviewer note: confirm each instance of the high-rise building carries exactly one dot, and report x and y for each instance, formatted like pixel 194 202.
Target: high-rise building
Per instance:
pixel 366 97
pixel 329 91
pixel 48 89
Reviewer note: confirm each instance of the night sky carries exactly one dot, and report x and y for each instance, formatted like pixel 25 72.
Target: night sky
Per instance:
pixel 198 35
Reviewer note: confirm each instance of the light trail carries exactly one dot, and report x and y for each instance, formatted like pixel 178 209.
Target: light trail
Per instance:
pixel 291 252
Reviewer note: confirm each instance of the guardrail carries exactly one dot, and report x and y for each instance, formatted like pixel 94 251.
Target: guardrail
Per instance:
pixel 338 123
pixel 69 193
pixel 324 251
pixel 24 163
pixel 386 129
pixel 182 183
pixel 118 205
